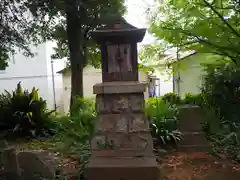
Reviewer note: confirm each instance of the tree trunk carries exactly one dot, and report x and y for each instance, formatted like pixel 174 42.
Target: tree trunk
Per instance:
pixel 76 53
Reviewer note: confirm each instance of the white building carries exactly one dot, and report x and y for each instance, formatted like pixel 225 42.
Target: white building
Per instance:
pixel 34 72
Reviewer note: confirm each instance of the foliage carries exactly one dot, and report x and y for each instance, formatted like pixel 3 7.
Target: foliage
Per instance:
pixel 76 20
pixel 164 122
pixel 171 98
pixel 204 26
pixel 73 133
pixel 24 114
pixel 221 89
pixel 18 28
pixel 151 54
pixel 221 93
pixel 68 22
pixel 195 99
pixel 83 105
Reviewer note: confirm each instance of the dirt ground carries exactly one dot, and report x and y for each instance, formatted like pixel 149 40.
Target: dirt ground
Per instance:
pixel 194 166
pixel 197 166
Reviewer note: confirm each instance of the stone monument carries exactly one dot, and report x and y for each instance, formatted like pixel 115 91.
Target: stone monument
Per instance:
pixel 121 147
pixel 190 125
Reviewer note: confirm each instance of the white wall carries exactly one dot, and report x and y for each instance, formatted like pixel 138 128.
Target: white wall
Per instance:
pixel 191 73
pixel 33 72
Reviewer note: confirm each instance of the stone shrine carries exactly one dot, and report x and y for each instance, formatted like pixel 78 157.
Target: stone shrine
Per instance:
pixel 121 147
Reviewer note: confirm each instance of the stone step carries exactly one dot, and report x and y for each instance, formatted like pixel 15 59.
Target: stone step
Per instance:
pixel 122 169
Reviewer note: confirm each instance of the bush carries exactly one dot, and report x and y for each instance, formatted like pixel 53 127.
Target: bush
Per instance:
pixel 222 89
pixel 194 99
pixel 171 98
pixel 164 122
pixel 221 92
pixel 24 114
pixel 83 105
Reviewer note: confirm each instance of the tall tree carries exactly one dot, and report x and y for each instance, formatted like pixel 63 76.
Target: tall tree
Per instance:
pixel 77 19
pixel 209 26
pixel 152 53
pixel 17 29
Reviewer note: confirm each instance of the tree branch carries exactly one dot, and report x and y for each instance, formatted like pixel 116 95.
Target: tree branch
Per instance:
pixel 222 18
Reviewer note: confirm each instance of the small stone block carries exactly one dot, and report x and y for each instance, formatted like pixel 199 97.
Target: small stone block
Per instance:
pixel 33 166
pixel 138 122
pixel 122 123
pixel 10 164
pixel 103 104
pixel 115 139
pixel 134 141
pixel 106 123
pixel 120 104
pixel 98 141
pixel 137 102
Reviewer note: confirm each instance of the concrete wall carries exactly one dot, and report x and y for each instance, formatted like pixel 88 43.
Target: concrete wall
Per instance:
pixel 91 76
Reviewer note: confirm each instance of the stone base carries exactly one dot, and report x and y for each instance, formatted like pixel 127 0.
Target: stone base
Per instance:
pixel 122 169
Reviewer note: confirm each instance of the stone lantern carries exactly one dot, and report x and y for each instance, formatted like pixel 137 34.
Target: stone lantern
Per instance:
pixel 121 147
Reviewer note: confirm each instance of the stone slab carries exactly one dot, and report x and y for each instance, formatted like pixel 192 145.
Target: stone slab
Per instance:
pixel 122 169
pixel 190 126
pixel 190 118
pixel 119 87
pixel 120 103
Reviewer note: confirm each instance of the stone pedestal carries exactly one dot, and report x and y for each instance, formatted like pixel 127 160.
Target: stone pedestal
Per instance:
pixel 122 147
pixel 190 125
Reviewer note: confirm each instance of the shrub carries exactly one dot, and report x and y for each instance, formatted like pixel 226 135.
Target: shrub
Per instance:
pixel 171 98
pixel 83 105
pixel 24 114
pixel 221 92
pixel 164 122
pixel 221 89
pixel 196 99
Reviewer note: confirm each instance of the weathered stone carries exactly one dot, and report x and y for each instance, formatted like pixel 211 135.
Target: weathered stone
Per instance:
pixel 119 87
pixel 137 102
pixel 103 104
pixel 120 104
pixel 134 141
pixel 33 166
pixel 122 123
pixel 106 123
pixel 115 139
pixel 120 96
pixel 11 165
pixel 161 152
pixel 190 126
pixel 98 141
pixel 138 122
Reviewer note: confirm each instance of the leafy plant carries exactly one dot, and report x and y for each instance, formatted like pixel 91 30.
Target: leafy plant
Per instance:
pixel 194 99
pixel 164 122
pixel 83 105
pixel 24 114
pixel 221 104
pixel 171 98
pixel 203 26
pixel 221 89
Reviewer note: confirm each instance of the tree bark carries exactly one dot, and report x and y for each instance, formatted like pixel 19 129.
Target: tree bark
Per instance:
pixel 76 52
